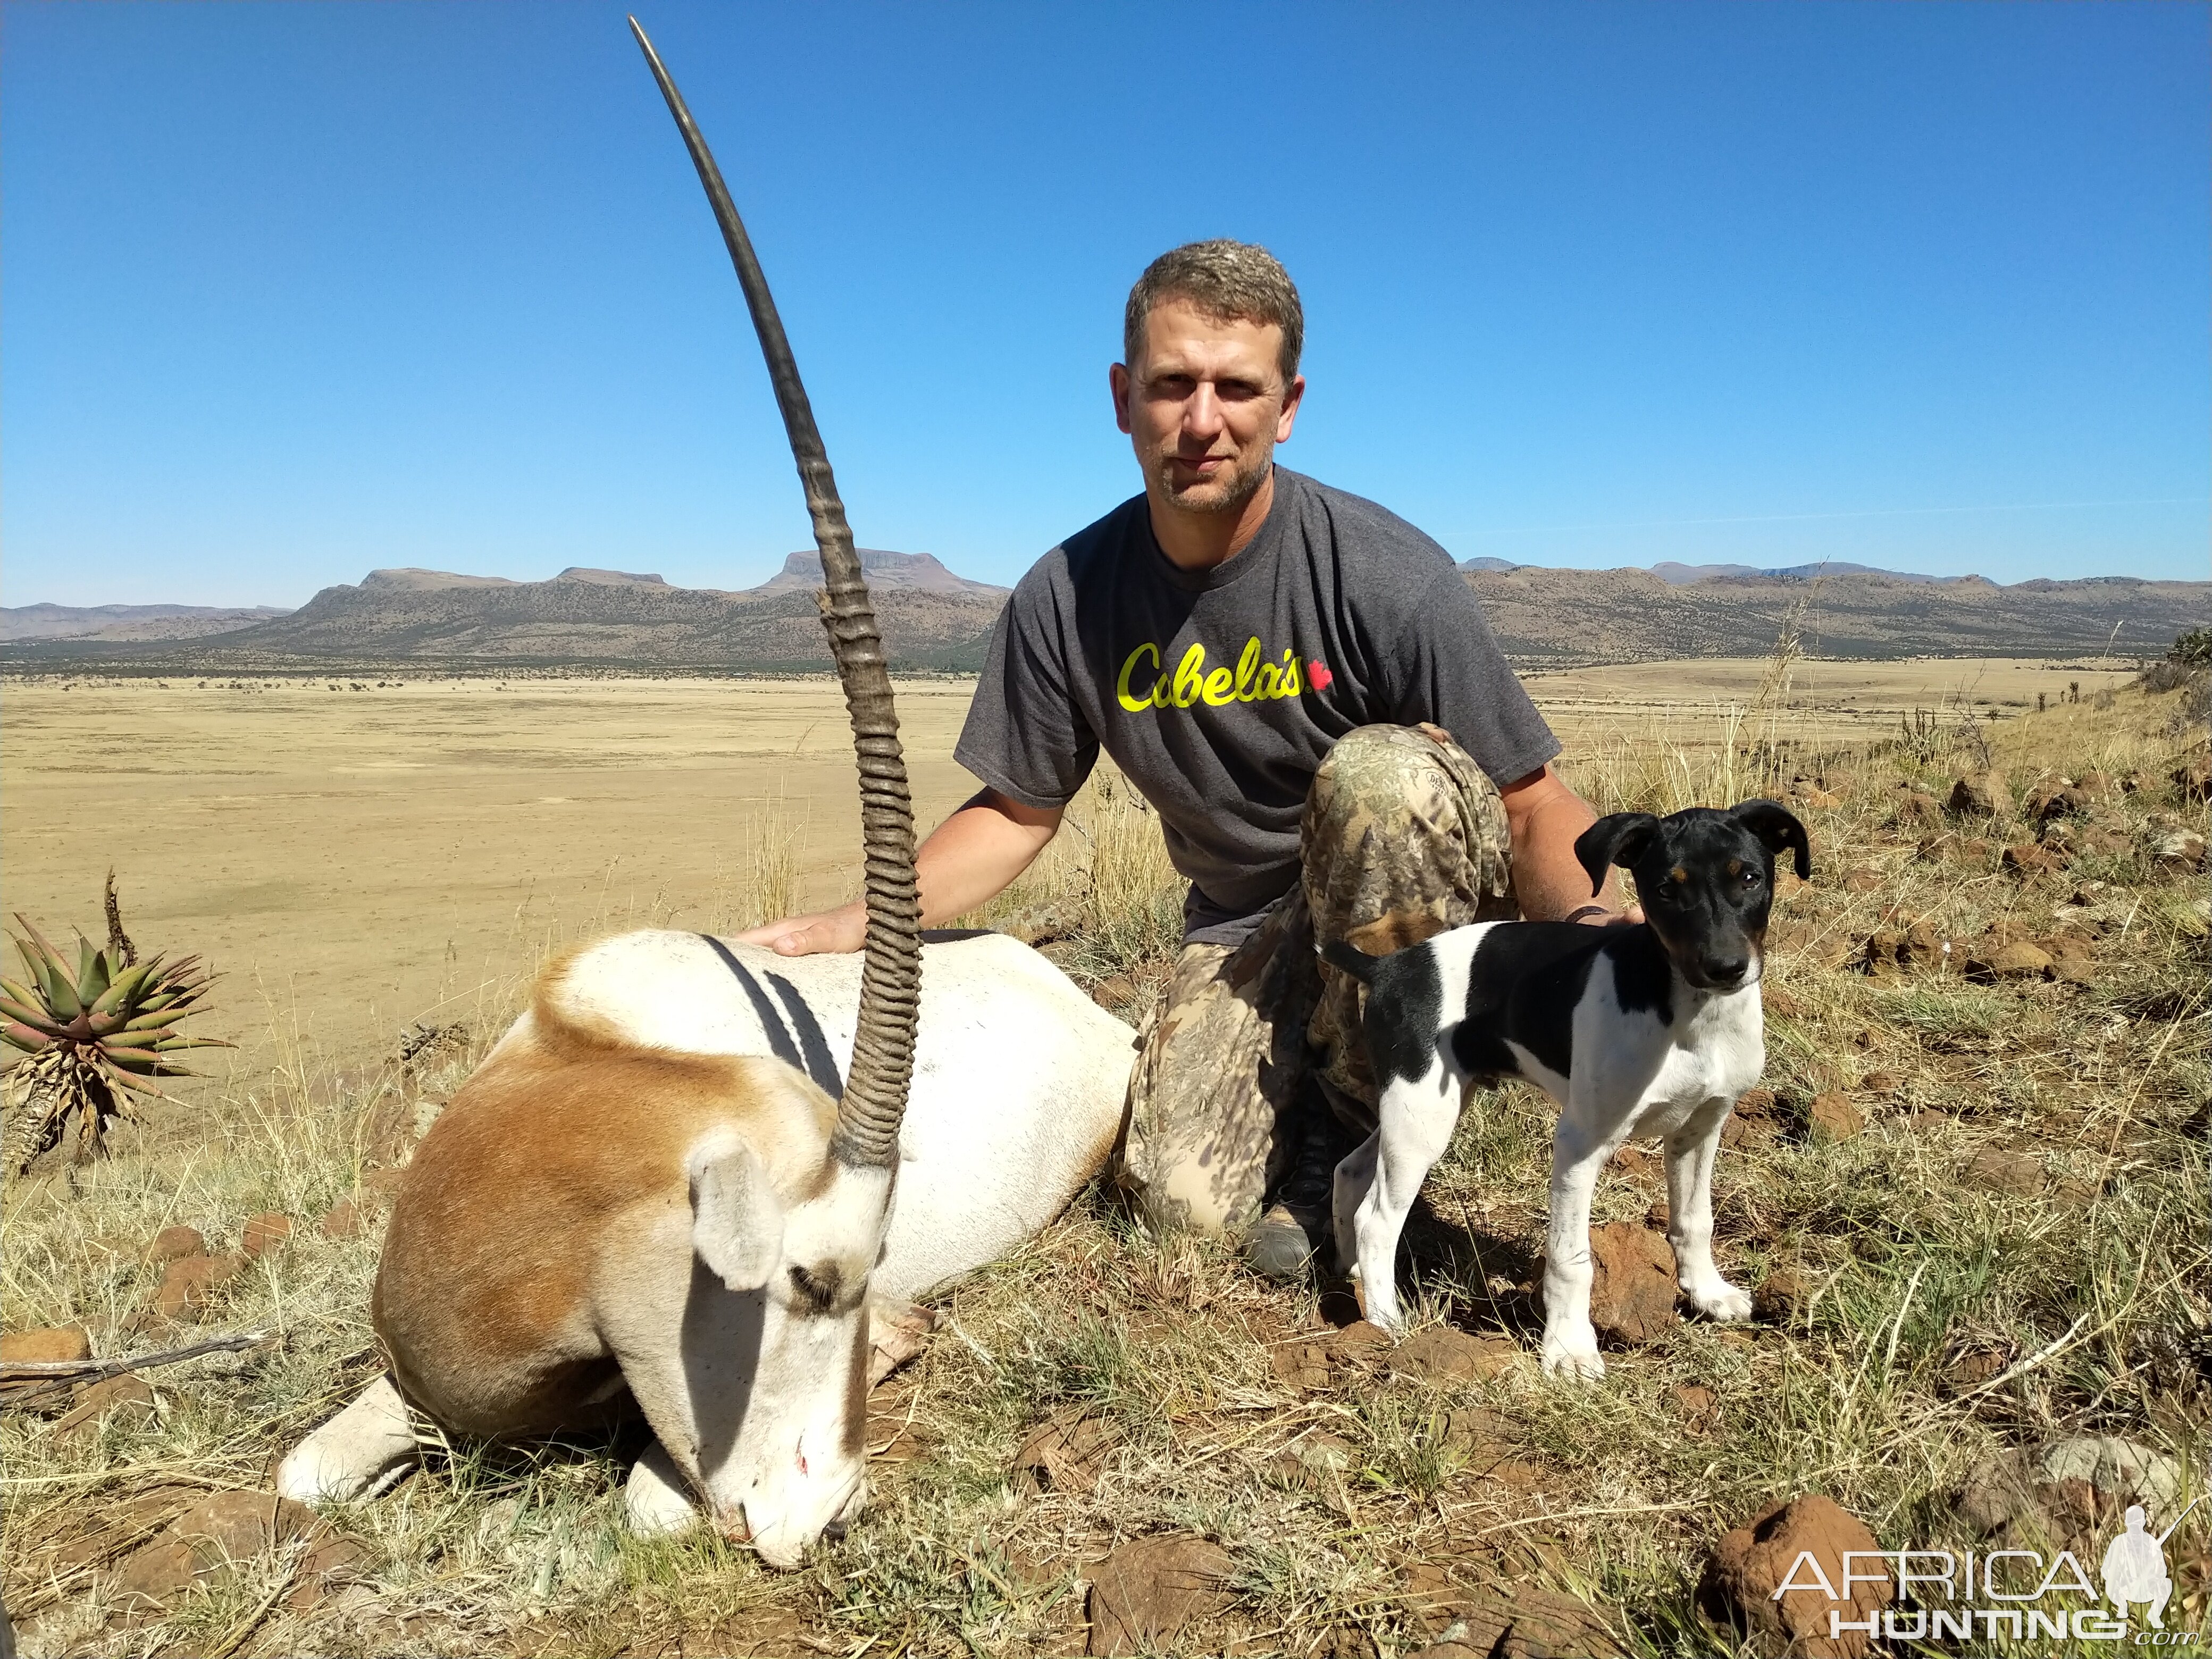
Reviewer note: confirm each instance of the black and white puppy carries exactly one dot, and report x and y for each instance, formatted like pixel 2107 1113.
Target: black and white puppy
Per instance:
pixel 1647 1030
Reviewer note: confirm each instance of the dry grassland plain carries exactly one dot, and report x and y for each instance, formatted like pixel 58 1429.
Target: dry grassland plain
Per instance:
pixel 354 860
pixel 1969 1204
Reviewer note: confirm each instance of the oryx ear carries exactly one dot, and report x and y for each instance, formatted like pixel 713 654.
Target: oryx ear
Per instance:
pixel 1618 839
pixel 1778 827
pixel 737 1221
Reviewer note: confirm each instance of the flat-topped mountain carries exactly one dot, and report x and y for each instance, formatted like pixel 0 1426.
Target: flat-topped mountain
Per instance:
pixel 919 571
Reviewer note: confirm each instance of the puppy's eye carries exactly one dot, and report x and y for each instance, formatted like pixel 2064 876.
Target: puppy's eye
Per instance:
pixel 1751 878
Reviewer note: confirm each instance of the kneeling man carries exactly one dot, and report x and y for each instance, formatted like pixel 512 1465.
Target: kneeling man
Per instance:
pixel 1305 690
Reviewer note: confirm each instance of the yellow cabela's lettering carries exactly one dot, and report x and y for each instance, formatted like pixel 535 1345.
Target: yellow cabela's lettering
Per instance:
pixel 1134 704
pixel 1190 677
pixel 1248 667
pixel 1140 685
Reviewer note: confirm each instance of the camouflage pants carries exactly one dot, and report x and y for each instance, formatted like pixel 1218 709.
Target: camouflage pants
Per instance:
pixel 1403 837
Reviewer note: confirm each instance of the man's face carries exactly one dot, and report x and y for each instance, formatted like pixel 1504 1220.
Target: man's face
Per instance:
pixel 1206 406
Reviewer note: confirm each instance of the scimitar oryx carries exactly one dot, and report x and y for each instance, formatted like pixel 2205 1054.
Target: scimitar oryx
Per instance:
pixel 672 1184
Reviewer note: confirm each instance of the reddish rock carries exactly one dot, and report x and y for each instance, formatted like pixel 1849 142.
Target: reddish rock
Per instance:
pixel 175 1244
pixel 1301 1364
pixel 1698 1406
pixel 1832 1117
pixel 48 1345
pixel 2181 850
pixel 2029 859
pixel 1882 1083
pixel 96 1400
pixel 1753 1561
pixel 1066 1453
pixel 1444 1356
pixel 231 1527
pixel 1917 807
pixel 190 1284
pixel 1863 880
pixel 264 1232
pixel 2057 799
pixel 1780 1296
pixel 344 1220
pixel 2019 960
pixel 2072 960
pixel 1980 795
pixel 1632 1285
pixel 2006 1172
pixel 1146 1592
pixel 1361 1342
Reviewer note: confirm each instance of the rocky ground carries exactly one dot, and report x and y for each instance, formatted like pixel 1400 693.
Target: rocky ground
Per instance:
pixel 1969 1199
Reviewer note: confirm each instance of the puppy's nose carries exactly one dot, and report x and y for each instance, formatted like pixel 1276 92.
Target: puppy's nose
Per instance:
pixel 1726 970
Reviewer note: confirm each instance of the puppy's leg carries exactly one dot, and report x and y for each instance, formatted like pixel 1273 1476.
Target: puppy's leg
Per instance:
pixel 1579 1151
pixel 1689 1152
pixel 1355 1176
pixel 1417 1118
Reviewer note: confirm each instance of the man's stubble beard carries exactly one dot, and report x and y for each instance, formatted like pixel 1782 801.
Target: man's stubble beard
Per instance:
pixel 1216 496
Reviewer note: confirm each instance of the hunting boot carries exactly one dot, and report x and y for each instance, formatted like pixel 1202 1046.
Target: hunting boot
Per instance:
pixel 1290 1242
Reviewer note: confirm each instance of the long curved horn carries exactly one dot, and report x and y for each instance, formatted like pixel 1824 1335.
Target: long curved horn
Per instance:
pixel 890 972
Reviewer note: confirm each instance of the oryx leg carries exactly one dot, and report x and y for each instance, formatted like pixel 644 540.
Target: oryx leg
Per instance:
pixel 370 1439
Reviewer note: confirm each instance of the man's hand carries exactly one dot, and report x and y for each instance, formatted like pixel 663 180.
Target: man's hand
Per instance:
pixel 1544 818
pixel 969 859
pixel 825 932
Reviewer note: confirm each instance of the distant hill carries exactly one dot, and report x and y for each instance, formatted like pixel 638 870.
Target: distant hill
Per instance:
pixel 126 622
pixel 934 619
pixel 931 619
pixel 1567 616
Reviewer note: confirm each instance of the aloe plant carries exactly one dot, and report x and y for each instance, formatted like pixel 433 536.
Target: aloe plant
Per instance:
pixel 93 1033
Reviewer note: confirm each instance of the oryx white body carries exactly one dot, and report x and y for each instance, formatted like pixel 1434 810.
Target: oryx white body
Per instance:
pixel 583 1227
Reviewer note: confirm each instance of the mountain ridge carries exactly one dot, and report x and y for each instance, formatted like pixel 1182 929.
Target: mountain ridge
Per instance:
pixel 934 619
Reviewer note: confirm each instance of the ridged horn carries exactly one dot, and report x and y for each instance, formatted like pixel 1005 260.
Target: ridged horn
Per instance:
pixel 866 1134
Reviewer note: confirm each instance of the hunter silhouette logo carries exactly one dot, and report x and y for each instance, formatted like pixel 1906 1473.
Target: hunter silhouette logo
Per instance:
pixel 2134 1566
pixel 1143 683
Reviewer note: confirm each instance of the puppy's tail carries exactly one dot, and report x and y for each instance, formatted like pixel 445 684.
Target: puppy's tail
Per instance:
pixel 1354 961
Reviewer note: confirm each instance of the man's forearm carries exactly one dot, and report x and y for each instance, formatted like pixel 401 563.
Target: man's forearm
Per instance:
pixel 1545 818
pixel 975 855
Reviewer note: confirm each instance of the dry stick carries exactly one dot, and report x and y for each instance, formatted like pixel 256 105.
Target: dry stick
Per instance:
pixel 64 1373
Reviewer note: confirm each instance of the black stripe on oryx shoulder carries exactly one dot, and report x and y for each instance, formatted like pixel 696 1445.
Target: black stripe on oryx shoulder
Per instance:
pixel 772 1026
pixel 820 1065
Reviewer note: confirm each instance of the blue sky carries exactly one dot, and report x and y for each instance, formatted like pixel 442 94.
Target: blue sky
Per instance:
pixel 290 291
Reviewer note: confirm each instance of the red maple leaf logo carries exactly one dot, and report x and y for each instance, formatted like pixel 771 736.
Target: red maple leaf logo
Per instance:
pixel 1318 676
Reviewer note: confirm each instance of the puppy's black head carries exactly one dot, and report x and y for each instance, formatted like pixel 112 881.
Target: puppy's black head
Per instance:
pixel 1706 880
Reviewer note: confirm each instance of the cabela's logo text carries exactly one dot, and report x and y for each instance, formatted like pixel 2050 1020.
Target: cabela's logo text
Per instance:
pixel 1143 683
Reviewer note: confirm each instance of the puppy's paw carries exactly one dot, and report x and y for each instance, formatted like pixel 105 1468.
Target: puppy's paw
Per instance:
pixel 1575 1358
pixel 1720 1301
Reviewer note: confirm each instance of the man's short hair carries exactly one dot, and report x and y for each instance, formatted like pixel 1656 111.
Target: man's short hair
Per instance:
pixel 1230 282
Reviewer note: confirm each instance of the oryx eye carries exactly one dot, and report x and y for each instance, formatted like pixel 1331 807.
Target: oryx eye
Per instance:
pixel 818 1290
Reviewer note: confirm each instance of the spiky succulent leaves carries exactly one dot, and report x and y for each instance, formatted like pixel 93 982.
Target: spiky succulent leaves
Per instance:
pixel 93 1032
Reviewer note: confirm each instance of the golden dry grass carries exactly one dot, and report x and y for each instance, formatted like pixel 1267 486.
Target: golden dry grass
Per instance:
pixel 1358 1506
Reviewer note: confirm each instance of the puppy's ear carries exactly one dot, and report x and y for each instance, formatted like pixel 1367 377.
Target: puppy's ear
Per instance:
pixel 1777 826
pixel 1620 840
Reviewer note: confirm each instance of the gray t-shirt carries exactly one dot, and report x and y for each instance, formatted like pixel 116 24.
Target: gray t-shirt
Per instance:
pixel 1218 692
